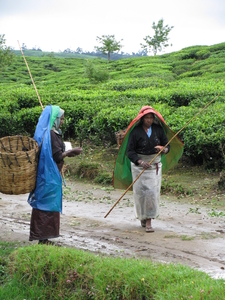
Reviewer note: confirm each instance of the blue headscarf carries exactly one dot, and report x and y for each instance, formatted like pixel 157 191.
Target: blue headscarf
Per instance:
pixel 47 195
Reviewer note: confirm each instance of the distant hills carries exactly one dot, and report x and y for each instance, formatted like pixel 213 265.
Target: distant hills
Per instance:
pixel 73 54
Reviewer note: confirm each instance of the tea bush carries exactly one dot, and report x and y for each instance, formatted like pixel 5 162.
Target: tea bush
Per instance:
pixel 99 103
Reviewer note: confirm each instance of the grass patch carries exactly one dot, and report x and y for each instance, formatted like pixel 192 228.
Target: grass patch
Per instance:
pixel 187 238
pixel 208 236
pixel 171 236
pixel 50 272
pixel 104 178
pixel 182 237
pixel 5 250
pixel 194 210
pixel 87 170
pixel 214 213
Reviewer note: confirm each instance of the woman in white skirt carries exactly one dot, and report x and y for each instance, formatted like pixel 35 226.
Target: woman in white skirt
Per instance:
pixel 145 141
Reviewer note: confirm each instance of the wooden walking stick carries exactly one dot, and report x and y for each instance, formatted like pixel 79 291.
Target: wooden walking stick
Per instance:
pixel 31 76
pixel 160 153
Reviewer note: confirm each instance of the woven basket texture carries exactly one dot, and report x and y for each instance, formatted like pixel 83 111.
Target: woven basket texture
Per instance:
pixel 18 164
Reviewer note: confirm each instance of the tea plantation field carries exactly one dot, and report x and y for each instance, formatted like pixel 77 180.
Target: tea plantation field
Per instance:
pixel 100 98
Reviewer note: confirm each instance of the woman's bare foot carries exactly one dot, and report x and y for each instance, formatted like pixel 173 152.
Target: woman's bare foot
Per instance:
pixel 149 226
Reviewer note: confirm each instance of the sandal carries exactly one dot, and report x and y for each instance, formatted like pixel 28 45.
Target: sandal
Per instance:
pixel 46 242
pixel 43 241
pixel 149 229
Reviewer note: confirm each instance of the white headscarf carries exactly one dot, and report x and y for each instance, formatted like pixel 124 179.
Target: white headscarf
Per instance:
pixel 56 124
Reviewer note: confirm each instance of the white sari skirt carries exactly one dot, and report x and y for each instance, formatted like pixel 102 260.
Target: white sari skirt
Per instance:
pixel 146 190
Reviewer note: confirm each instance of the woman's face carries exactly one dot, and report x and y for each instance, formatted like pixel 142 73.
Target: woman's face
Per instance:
pixel 148 120
pixel 61 120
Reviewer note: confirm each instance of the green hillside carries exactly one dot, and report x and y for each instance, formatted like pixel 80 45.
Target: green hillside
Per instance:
pixel 101 98
pixel 37 53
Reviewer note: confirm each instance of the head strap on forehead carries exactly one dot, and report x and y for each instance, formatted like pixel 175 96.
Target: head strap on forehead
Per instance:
pixel 146 110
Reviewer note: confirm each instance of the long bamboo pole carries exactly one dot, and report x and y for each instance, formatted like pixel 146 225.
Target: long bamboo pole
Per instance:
pixel 161 152
pixel 31 76
pixel 62 172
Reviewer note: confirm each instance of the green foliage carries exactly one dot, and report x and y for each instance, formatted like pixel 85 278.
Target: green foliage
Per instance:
pixel 108 44
pixel 6 249
pixel 173 187
pixel 26 120
pixel 26 98
pixel 104 178
pixel 96 107
pixel 160 38
pixel 6 126
pixel 95 74
pixel 6 55
pixel 214 213
pixel 50 272
pixel 90 70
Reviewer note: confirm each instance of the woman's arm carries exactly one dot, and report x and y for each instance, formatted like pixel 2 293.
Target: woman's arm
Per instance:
pixel 159 148
pixel 163 142
pixel 72 152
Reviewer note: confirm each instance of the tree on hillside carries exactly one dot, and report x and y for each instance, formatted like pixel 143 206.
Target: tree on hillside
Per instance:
pixel 67 50
pixel 36 48
pixel 108 44
pixel 79 50
pixel 6 55
pixel 24 47
pixel 160 38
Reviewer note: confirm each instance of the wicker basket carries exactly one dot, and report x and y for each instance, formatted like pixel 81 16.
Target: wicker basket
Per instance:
pixel 119 136
pixel 18 164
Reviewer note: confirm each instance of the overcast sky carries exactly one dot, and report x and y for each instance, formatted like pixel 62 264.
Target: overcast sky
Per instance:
pixel 55 25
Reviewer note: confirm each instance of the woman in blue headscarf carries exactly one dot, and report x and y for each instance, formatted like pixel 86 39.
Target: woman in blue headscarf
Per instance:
pixel 46 199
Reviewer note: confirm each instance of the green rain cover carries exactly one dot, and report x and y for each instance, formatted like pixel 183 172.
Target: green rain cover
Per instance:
pixel 122 177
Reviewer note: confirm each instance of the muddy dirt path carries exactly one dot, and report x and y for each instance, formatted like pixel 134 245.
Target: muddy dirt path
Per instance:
pixel 184 233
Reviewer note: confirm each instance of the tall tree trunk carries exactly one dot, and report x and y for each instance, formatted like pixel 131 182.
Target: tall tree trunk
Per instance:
pixel 108 56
